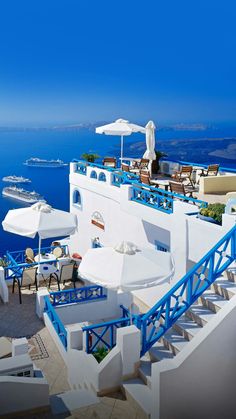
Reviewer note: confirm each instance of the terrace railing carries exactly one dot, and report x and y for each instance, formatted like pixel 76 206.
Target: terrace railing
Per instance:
pixel 78 295
pixel 103 334
pixel 176 302
pixel 56 321
pixel 16 260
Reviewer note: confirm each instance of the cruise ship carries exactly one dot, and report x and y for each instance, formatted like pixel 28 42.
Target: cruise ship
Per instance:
pixel 16 179
pixel 21 194
pixel 164 349
pixel 36 162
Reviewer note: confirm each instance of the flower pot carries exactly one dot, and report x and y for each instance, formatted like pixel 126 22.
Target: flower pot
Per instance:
pixel 209 219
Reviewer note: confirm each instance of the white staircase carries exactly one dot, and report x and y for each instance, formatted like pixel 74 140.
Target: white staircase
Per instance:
pixel 175 339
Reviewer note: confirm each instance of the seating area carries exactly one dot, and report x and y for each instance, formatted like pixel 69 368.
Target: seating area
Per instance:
pixel 54 267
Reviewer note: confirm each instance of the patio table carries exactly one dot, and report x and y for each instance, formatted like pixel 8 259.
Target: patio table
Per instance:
pixel 160 182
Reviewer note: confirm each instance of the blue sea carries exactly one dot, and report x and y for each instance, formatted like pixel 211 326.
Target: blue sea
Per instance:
pixel 53 184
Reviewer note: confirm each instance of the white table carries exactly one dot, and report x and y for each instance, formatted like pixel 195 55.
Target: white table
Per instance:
pixel 161 182
pixel 47 268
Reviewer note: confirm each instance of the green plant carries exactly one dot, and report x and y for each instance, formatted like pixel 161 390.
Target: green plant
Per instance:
pixel 100 353
pixel 156 163
pixel 214 211
pixel 3 262
pixel 90 157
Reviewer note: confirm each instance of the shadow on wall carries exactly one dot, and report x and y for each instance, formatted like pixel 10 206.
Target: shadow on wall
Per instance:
pixel 157 236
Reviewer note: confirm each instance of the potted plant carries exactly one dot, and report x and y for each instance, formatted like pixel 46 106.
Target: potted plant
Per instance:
pixel 213 213
pixel 156 163
pixel 90 157
pixel 4 262
pixel 100 353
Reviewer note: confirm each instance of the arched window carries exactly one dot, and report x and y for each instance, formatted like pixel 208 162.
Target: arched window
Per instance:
pixel 93 174
pixel 102 177
pixel 77 198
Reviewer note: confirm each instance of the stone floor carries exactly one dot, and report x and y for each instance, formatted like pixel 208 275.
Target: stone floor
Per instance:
pixel 18 320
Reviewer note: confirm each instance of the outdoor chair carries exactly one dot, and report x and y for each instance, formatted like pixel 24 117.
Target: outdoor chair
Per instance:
pixel 29 255
pixel 146 180
pixel 181 189
pixel 57 252
pixel 212 170
pixel 184 174
pixel 28 278
pixel 143 164
pixel 109 162
pixel 66 274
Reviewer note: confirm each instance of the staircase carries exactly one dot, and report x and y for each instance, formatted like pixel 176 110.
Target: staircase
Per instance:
pixel 138 390
pixel 180 315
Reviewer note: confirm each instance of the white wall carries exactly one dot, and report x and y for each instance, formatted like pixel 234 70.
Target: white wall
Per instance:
pixel 4 293
pixel 200 381
pixel 93 311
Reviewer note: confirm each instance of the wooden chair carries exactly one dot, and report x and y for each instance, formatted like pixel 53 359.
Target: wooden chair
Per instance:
pixel 181 189
pixel 184 174
pixel 29 255
pixel 125 167
pixel 109 162
pixel 28 278
pixel 143 164
pixel 146 180
pixel 212 170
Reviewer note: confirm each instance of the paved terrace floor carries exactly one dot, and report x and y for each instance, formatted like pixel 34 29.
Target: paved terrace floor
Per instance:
pixel 19 320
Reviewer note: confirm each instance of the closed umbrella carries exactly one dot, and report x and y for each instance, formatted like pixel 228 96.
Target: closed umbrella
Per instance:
pixel 120 127
pixel 40 219
pixel 150 141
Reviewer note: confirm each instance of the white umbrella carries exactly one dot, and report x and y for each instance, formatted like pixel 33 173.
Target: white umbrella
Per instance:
pixel 126 267
pixel 40 219
pixel 150 141
pixel 120 127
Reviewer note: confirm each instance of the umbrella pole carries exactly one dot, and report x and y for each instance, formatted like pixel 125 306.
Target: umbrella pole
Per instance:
pixel 39 254
pixel 130 311
pixel 121 149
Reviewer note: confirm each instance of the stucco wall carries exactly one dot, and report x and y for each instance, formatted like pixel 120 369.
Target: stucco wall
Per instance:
pixel 215 184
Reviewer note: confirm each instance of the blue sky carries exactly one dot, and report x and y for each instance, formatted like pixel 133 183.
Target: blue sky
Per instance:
pixel 67 61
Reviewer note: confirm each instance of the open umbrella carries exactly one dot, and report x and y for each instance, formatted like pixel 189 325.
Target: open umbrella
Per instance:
pixel 126 267
pixel 40 219
pixel 150 141
pixel 120 127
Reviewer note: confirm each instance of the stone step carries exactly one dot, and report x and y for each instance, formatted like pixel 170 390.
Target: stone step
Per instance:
pixel 158 352
pixel 225 288
pixel 174 341
pixel 139 395
pixel 72 400
pixel 212 300
pixel 200 314
pixel 144 372
pixel 187 327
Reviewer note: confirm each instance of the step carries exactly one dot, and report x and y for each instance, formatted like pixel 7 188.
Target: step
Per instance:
pixel 138 394
pixel 187 327
pixel 225 288
pixel 158 352
pixel 200 314
pixel 174 341
pixel 72 400
pixel 212 300
pixel 144 372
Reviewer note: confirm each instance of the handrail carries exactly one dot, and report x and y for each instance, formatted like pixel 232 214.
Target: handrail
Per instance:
pixel 56 321
pixel 178 300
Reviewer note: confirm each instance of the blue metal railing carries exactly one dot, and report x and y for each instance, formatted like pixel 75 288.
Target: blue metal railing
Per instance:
pixel 16 260
pixel 103 334
pixel 78 295
pixel 56 321
pixel 179 299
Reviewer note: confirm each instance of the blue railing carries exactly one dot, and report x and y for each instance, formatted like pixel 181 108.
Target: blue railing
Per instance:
pixel 179 299
pixel 161 200
pixel 78 295
pixel 103 334
pixel 56 321
pixel 81 168
pixel 16 261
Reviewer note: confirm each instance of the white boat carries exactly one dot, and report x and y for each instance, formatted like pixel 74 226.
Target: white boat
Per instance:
pixel 16 179
pixel 21 194
pixel 36 162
